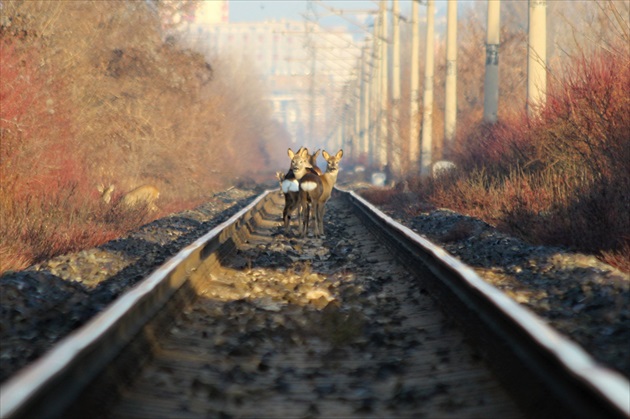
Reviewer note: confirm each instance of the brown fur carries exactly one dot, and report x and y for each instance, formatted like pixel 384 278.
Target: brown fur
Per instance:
pixel 315 191
pixel 144 195
pixel 299 167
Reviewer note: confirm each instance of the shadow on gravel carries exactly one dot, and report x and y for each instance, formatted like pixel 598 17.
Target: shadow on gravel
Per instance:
pixel 316 325
pixel 580 296
pixel 38 308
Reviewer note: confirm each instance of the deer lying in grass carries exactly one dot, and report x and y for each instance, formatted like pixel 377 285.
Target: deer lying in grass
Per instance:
pixel 300 165
pixel 315 190
pixel 144 195
pixel 106 193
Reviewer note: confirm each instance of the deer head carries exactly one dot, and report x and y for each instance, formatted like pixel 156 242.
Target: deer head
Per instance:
pixel 106 193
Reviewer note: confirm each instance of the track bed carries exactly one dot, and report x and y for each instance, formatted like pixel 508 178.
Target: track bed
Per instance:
pixel 291 327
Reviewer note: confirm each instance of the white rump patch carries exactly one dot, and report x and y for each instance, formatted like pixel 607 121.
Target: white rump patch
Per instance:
pixel 443 167
pixel 379 179
pixel 290 186
pixel 308 186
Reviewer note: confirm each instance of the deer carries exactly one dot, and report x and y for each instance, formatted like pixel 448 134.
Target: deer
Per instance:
pixel 315 191
pixel 300 165
pixel 106 193
pixel 144 195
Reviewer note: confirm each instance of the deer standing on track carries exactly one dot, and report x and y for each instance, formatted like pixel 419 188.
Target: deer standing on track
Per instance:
pixel 315 190
pixel 289 187
pixel 300 165
pixel 144 195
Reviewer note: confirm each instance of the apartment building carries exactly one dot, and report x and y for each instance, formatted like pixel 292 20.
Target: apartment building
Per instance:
pixel 304 64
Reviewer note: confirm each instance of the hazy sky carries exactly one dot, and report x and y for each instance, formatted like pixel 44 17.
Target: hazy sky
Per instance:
pixel 257 10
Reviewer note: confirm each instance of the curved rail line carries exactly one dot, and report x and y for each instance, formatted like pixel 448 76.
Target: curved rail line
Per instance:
pixel 548 375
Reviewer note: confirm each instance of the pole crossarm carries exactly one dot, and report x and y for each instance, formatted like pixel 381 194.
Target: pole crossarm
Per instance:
pixel 351 21
pixel 310 19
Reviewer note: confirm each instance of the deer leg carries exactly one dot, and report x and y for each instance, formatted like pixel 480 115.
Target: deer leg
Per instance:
pixel 320 217
pixel 315 226
pixel 286 216
pixel 291 203
pixel 305 214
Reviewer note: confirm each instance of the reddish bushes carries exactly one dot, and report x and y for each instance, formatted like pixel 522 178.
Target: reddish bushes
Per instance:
pixel 560 178
pixel 41 226
pixel 585 123
pixel 35 122
pixel 91 94
pixel 583 136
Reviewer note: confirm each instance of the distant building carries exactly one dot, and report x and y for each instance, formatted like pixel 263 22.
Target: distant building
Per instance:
pixel 212 12
pixel 282 52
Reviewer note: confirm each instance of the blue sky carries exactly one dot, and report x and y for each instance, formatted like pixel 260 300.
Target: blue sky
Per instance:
pixel 258 10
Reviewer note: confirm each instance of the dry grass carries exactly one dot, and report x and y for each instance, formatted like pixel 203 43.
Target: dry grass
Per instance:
pixel 37 228
pixel 559 179
pixel 92 93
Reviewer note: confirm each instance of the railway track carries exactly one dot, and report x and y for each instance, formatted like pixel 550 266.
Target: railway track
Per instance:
pixel 370 321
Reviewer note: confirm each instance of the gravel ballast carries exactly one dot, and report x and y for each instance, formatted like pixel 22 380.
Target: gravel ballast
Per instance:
pixel 581 297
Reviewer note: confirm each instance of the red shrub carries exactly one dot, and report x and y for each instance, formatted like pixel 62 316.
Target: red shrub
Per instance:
pixel 586 121
pixel 500 147
pixel 560 178
pixel 35 122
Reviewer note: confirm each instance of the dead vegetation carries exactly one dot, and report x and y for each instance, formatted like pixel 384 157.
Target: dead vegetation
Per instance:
pixel 95 92
pixel 560 178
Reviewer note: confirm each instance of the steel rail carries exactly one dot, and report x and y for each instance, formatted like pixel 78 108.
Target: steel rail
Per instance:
pixel 50 385
pixel 556 377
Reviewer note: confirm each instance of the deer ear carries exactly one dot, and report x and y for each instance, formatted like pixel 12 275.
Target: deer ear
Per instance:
pixel 325 154
pixel 316 153
pixel 339 154
pixel 290 153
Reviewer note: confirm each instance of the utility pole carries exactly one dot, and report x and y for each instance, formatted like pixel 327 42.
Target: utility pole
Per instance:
pixel 414 123
pixel 365 103
pixel 339 135
pixel 491 85
pixel 349 117
pixel 450 109
pixel 537 56
pixel 312 94
pixel 427 114
pixel 310 44
pixel 395 146
pixel 375 118
pixel 384 132
pixel 356 143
